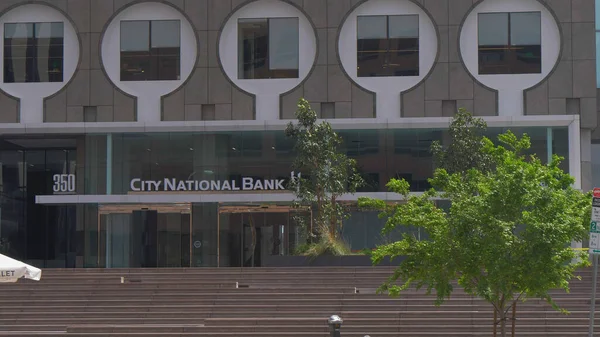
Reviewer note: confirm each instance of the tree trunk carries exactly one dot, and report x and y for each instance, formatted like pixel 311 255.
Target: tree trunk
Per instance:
pixel 502 323
pixel 514 318
pixel 495 322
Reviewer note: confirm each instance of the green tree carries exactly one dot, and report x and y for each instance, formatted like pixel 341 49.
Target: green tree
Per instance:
pixel 326 173
pixel 505 237
pixel 464 150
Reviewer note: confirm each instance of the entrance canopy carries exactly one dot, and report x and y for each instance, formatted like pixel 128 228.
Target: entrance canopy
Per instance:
pixel 12 270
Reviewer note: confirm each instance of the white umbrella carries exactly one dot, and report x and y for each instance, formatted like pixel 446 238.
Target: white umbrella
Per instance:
pixel 11 270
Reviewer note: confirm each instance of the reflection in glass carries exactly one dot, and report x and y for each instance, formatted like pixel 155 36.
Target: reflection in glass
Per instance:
pixel 388 45
pixel 40 235
pixel 510 43
pixel 150 50
pixel 268 48
pixel 33 52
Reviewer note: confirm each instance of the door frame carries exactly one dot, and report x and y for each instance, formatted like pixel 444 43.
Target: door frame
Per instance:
pixel 181 208
pixel 225 208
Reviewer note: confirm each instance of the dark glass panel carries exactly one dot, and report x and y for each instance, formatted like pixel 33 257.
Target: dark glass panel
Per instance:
pixel 253 48
pixel 526 42
pixel 166 49
pixel 372 46
pixel 150 50
pixel 268 48
pixel 510 43
pixel 388 45
pixel 33 52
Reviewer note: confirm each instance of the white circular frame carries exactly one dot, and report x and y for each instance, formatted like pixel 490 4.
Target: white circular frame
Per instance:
pixel 267 91
pixel 148 93
pixel 388 89
pixel 510 87
pixel 32 95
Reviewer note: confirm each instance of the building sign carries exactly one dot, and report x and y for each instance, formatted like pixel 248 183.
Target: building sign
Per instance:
pixel 176 185
pixel 595 224
pixel 63 183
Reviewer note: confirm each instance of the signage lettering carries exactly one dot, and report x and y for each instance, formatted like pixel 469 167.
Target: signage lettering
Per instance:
pixel 7 273
pixel 175 185
pixel 63 183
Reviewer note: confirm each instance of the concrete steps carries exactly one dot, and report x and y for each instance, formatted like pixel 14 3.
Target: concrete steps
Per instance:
pixel 261 302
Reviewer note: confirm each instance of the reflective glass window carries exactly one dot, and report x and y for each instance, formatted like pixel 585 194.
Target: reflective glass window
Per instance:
pixel 150 50
pixel 268 48
pixel 388 45
pixel 510 43
pixel 33 52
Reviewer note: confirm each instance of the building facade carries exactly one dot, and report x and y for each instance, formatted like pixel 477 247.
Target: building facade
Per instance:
pixel 150 133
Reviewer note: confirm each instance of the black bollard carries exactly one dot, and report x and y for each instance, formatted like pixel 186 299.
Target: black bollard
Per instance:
pixel 335 325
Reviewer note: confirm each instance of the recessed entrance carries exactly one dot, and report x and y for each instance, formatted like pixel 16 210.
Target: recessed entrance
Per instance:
pixel 252 234
pixel 144 236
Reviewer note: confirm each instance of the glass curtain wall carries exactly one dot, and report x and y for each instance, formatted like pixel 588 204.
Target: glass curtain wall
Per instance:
pixel 40 235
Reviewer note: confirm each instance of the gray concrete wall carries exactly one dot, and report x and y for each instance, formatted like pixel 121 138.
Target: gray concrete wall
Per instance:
pixel 208 94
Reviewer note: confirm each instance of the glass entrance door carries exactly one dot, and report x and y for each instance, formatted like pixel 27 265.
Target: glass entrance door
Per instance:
pixel 253 236
pixel 135 236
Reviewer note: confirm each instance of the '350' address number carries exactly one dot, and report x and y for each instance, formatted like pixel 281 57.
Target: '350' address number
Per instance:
pixel 63 183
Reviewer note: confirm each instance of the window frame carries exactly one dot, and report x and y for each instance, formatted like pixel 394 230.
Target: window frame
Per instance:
pixel 268 72
pixel 510 50
pixel 32 71
pixel 152 55
pixel 415 72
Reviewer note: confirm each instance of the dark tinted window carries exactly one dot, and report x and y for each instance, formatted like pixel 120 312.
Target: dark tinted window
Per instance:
pixel 268 48
pixel 33 52
pixel 388 45
pixel 510 43
pixel 150 50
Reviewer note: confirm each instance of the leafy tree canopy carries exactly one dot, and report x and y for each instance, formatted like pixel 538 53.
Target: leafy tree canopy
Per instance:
pixel 326 172
pixel 506 235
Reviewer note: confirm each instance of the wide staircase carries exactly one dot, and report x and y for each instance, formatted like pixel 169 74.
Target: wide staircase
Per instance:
pixel 261 302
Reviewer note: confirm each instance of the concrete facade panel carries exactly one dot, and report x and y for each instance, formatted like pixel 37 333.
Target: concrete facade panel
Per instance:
pixel 560 83
pixel 218 10
pixel 557 106
pixel 219 90
pixel 363 103
pixel 437 85
pixel 242 105
pixel 78 91
pixel 102 10
pixel 9 109
pixel 461 84
pixel 196 89
pixel 583 41
pixel 584 78
pixel 55 108
pixel 589 114
pixel 582 11
pixel 197 11
pixel 433 108
pixel 413 102
pixel 75 114
pixel 79 11
pixel 315 87
pixel 173 106
pixel 101 90
pixel 536 100
pixel 317 11
pixel 485 102
pixel 338 85
pixel 124 107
